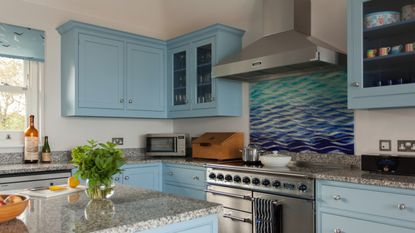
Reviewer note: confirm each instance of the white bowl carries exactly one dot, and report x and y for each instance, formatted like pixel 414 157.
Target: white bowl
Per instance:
pixel 275 160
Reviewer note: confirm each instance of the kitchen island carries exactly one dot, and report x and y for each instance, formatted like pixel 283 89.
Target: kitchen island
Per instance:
pixel 128 210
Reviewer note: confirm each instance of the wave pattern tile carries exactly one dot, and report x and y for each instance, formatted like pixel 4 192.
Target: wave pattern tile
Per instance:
pixel 302 114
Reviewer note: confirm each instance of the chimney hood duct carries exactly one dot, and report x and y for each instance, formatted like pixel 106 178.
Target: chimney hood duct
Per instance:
pixel 289 53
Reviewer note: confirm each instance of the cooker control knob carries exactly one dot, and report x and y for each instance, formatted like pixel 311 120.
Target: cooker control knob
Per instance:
pixel 302 187
pixel 256 181
pixel 237 179
pixel 219 177
pixel 266 182
pixel 228 178
pixel 212 176
pixel 246 180
pixel 276 184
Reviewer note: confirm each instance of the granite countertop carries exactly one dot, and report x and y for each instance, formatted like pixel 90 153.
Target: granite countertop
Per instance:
pixel 37 167
pixel 129 210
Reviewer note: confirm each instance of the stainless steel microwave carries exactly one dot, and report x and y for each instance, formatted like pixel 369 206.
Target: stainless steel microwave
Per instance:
pixel 166 144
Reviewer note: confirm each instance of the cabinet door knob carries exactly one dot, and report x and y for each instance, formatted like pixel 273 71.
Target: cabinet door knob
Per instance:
pixel 337 230
pixel 117 178
pixel 337 197
pixel 130 101
pixel 126 177
pixel 355 84
pixel 401 206
pixel 122 100
pixel 195 178
pixel 170 173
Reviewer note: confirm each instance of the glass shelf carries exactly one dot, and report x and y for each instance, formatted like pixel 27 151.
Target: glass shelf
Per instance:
pixel 390 29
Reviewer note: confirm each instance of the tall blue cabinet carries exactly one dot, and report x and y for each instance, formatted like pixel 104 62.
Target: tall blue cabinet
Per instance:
pixel 109 73
pixel 386 81
pixel 192 92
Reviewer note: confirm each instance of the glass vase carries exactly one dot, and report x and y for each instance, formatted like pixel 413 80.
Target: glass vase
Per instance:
pixel 99 191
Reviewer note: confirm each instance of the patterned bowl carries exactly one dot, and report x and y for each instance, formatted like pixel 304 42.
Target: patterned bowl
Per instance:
pixel 381 18
pixel 408 12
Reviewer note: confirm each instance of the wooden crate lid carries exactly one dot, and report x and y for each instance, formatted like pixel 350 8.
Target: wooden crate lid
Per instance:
pixel 214 138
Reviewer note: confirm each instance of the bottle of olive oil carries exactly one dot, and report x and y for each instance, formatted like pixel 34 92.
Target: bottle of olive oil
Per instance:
pixel 46 153
pixel 31 142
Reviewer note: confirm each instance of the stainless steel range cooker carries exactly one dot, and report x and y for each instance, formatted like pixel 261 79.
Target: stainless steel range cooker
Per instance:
pixel 260 199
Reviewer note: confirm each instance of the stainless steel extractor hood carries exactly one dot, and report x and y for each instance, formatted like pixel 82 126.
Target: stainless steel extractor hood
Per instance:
pixel 289 53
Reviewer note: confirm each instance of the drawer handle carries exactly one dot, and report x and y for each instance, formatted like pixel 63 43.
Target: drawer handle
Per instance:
pixel 337 230
pixel 234 218
pixel 126 177
pixel 117 179
pixel 195 178
pixel 401 206
pixel 170 173
pixel 337 197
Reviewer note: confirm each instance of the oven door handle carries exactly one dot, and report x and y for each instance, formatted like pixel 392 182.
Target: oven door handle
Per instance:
pixel 229 194
pixel 234 218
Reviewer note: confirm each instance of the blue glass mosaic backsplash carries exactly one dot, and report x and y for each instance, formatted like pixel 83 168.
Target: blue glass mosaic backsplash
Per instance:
pixel 302 114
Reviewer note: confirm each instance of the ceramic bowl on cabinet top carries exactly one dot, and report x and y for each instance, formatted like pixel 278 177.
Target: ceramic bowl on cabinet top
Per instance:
pixel 273 160
pixel 381 18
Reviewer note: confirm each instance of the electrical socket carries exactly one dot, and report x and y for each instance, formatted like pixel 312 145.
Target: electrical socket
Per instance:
pixel 406 145
pixel 385 145
pixel 118 141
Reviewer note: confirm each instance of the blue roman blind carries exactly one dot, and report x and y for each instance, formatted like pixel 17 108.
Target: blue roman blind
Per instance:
pixel 22 42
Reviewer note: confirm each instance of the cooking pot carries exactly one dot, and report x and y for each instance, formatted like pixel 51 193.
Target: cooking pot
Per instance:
pixel 251 153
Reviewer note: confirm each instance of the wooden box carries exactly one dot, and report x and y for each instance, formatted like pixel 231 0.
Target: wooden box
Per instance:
pixel 219 146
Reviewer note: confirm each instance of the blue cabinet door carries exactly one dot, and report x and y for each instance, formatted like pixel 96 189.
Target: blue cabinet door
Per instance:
pixel 381 81
pixel 177 189
pixel 145 78
pixel 179 78
pixel 203 86
pixel 101 73
pixel 146 176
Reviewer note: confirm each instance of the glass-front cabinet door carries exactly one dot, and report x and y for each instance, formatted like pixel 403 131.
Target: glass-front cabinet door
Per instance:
pixel 381 53
pixel 204 87
pixel 180 79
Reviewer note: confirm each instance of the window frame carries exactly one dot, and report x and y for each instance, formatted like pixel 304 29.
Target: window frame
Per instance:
pixel 13 140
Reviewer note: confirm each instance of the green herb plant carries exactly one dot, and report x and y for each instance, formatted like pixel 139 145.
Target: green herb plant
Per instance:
pixel 97 163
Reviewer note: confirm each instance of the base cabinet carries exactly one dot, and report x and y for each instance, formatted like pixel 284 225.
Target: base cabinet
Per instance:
pixel 208 224
pixel 147 176
pixel 184 180
pixel 355 208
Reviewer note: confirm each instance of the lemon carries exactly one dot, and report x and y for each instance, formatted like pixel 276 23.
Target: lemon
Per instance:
pixel 56 188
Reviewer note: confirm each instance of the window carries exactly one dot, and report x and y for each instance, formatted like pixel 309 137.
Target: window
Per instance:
pixel 19 97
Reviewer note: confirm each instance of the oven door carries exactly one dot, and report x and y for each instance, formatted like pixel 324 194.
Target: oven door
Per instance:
pixel 159 146
pixel 294 215
pixel 234 221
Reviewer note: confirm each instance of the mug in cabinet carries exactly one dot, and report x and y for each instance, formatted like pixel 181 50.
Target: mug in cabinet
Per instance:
pixel 409 47
pixel 371 53
pixel 397 49
pixel 384 51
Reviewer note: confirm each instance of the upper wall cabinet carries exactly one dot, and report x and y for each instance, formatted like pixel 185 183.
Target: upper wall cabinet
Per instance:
pixel 191 91
pixel 381 53
pixel 110 73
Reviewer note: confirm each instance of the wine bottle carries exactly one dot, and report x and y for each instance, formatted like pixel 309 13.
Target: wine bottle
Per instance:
pixel 31 142
pixel 46 153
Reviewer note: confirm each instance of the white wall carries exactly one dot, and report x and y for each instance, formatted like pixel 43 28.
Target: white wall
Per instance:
pixel 157 18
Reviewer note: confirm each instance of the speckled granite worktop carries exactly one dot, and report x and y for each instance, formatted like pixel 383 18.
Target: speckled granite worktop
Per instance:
pixel 25 168
pixel 130 210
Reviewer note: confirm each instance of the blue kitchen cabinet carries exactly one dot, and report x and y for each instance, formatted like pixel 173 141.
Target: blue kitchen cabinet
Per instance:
pixel 109 73
pixel 147 176
pixel 192 92
pixel 357 208
pixel 184 180
pixel 381 81
pixel 145 79
pixel 207 224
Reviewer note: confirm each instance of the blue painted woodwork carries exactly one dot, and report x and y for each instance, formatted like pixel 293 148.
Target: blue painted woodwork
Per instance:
pixel 184 180
pixel 367 95
pixel 207 224
pixel 361 208
pixel 109 73
pixel 148 176
pixel 22 42
pixel 205 96
pixel 292 114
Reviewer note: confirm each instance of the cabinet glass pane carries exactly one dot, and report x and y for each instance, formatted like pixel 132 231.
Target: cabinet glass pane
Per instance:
pixel 389 43
pixel 204 70
pixel 179 78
